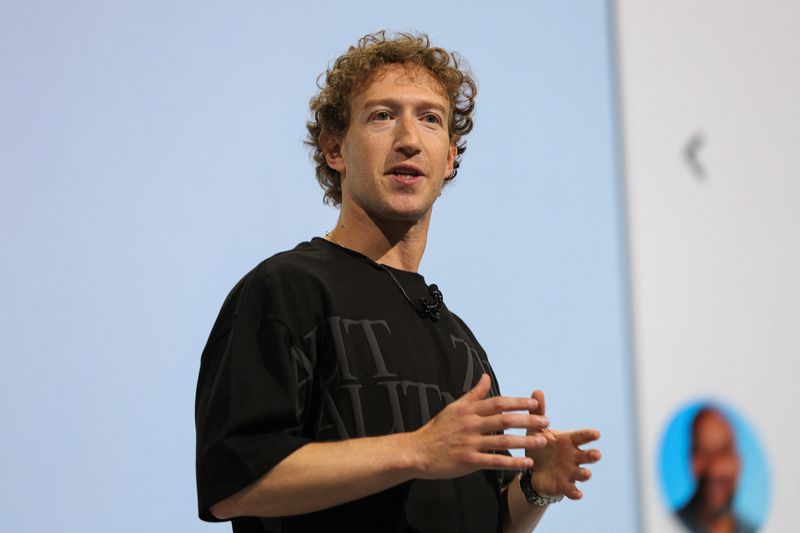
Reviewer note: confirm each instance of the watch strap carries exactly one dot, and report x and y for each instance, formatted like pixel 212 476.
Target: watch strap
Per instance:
pixel 533 497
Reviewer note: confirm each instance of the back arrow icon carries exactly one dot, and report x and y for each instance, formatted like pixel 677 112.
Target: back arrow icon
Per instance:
pixel 690 152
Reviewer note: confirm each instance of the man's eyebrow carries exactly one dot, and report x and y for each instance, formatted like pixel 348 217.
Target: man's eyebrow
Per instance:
pixel 394 102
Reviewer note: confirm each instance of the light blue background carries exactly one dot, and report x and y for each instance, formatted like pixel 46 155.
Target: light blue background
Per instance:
pixel 151 153
pixel 675 470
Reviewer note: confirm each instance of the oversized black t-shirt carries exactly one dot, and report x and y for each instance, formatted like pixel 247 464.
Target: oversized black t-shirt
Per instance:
pixel 320 344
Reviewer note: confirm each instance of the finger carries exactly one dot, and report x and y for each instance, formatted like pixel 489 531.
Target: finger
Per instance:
pixel 539 397
pixel 589 456
pixel 501 404
pixel 503 421
pixel 480 390
pixel 501 461
pixel 582 474
pixel 573 493
pixel 511 442
pixel 582 436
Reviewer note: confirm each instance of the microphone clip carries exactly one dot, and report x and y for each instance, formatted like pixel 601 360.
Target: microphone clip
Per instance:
pixel 431 309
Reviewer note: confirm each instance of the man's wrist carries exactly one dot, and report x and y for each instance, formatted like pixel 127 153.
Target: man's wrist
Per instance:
pixel 533 497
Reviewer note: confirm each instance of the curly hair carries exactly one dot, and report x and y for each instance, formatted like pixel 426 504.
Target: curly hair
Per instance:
pixel 331 106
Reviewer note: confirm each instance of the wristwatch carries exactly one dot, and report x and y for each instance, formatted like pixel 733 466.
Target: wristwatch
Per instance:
pixel 531 495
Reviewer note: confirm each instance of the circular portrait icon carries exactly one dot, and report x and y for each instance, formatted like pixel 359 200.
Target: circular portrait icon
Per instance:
pixel 713 471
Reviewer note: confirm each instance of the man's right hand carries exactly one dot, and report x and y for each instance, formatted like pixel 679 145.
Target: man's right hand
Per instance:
pixel 459 440
pixel 462 438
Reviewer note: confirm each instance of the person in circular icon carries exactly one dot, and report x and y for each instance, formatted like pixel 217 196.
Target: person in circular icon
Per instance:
pixel 715 465
pixel 713 471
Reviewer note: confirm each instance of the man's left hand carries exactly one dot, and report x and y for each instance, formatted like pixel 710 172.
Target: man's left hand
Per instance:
pixel 557 466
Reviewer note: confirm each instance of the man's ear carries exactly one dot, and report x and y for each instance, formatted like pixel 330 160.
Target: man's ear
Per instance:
pixel 452 152
pixel 332 150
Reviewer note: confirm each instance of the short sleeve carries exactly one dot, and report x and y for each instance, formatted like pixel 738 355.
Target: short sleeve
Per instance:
pixel 249 407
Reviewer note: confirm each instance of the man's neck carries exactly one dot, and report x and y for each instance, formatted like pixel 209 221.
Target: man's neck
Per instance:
pixel 712 521
pixel 398 244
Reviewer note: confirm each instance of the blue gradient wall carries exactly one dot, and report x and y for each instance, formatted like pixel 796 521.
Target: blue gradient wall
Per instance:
pixel 151 153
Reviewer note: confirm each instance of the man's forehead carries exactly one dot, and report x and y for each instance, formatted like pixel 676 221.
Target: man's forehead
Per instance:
pixel 711 424
pixel 404 74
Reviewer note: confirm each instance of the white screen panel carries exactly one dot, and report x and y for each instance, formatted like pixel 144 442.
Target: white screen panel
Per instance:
pixel 711 120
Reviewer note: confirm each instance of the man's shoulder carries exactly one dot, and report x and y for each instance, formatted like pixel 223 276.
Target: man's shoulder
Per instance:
pixel 287 275
pixel 308 257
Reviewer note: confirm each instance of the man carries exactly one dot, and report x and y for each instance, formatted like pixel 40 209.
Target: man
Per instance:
pixel 715 466
pixel 337 392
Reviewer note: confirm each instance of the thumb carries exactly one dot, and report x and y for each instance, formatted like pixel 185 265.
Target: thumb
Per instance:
pixel 539 397
pixel 481 389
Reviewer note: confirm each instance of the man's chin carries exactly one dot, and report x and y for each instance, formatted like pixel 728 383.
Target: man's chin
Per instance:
pixel 716 506
pixel 404 212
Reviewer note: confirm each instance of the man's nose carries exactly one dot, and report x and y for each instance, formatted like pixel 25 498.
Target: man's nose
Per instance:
pixel 724 464
pixel 407 136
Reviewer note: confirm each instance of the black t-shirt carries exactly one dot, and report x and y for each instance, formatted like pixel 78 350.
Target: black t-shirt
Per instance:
pixel 320 344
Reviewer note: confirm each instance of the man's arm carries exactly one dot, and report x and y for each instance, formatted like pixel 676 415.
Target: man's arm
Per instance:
pixel 456 442
pixel 557 467
pixel 518 515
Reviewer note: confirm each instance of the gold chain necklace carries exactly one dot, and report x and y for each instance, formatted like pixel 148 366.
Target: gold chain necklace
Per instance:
pixel 333 239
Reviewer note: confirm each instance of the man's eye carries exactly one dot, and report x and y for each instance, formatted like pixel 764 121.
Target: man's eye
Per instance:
pixel 381 115
pixel 432 119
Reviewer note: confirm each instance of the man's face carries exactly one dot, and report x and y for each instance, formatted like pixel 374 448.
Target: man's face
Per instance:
pixel 715 462
pixel 396 153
